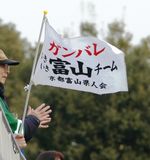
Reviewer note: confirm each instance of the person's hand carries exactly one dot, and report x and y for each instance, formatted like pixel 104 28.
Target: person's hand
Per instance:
pixel 20 140
pixel 42 112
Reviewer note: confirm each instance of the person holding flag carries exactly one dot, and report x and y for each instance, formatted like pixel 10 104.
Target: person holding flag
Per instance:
pixel 35 118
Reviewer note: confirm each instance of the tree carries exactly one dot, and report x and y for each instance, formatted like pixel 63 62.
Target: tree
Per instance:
pixel 118 36
pixel 88 29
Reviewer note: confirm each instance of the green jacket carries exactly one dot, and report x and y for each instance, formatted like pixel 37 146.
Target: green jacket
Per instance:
pixel 10 117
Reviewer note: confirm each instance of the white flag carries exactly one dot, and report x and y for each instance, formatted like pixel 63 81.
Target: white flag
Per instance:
pixel 83 63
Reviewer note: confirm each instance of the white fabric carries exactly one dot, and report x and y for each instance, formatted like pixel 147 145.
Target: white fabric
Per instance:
pixel 19 127
pixel 82 63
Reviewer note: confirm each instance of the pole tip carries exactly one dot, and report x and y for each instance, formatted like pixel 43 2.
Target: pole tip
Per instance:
pixel 45 12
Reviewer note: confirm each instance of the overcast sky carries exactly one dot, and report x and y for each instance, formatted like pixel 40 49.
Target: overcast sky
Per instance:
pixel 66 15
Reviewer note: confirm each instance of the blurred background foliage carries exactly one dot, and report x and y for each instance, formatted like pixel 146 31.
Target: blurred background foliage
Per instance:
pixel 86 126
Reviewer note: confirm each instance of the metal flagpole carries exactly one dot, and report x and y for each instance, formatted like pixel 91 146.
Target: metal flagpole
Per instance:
pixel 33 69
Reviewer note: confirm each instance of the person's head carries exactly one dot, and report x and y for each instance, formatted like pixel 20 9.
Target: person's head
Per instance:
pixel 4 66
pixel 50 155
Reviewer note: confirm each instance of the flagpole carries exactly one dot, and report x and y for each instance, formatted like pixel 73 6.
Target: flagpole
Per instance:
pixel 33 69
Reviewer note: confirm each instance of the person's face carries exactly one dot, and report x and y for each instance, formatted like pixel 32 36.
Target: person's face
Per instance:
pixel 4 71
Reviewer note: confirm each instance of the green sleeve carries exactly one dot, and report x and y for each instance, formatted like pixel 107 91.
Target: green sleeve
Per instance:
pixel 12 120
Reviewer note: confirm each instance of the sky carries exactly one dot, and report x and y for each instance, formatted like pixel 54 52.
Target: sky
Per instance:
pixel 66 16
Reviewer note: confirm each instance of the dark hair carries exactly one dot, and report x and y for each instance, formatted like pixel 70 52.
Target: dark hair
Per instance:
pixel 50 155
pixel 2 91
